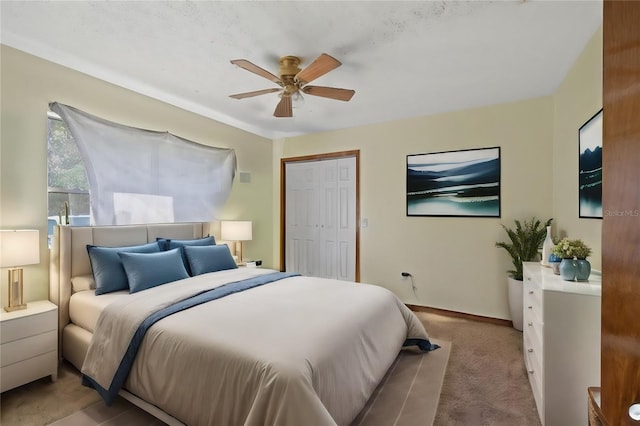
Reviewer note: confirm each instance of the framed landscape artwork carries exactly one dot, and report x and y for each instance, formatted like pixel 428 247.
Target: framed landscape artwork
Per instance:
pixel 590 168
pixel 454 183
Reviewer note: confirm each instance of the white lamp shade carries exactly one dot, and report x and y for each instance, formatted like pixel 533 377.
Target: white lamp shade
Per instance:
pixel 236 230
pixel 19 247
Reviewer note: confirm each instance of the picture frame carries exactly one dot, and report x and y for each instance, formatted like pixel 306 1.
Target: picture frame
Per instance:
pixel 462 183
pixel 590 168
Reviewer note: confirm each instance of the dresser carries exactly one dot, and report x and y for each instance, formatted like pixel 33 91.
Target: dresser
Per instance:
pixel 28 344
pixel 561 343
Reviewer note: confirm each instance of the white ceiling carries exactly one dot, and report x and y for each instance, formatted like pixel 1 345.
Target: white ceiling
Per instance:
pixel 403 59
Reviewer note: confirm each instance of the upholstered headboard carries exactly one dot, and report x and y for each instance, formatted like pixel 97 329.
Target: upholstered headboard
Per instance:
pixel 69 256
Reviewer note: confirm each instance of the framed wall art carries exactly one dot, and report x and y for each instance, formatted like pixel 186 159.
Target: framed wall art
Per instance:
pixel 454 183
pixel 590 168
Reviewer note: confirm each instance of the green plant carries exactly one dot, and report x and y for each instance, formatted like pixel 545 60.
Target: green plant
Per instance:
pixel 524 243
pixel 568 249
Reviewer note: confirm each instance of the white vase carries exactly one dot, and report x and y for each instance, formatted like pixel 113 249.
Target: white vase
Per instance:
pixel 547 246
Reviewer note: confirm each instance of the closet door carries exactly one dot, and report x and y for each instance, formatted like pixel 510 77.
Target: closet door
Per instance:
pixel 327 219
pixel 302 217
pixel 345 222
pixel 320 218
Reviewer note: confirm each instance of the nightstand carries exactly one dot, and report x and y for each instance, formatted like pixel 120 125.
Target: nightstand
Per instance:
pixel 28 344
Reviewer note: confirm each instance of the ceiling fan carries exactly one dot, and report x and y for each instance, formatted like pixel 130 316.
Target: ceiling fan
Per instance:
pixel 294 80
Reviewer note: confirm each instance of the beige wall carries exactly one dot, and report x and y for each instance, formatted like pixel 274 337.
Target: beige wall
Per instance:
pixel 453 260
pixel 28 84
pixel 577 99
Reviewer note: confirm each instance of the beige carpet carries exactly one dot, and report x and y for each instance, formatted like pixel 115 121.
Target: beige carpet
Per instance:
pixel 486 382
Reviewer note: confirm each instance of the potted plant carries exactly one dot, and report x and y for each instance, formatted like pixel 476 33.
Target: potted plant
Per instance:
pixel 574 264
pixel 523 246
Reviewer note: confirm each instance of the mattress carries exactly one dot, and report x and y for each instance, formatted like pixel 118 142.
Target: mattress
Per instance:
pixel 85 307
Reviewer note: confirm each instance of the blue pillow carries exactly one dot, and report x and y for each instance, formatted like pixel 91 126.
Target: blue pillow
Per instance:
pixel 203 259
pixel 108 273
pixel 168 244
pixel 146 270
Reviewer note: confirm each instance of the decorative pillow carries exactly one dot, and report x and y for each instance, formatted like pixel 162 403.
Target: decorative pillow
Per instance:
pixel 82 283
pixel 108 272
pixel 203 259
pixel 146 270
pixel 168 244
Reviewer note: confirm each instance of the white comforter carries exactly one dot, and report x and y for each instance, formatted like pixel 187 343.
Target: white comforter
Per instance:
pixel 299 351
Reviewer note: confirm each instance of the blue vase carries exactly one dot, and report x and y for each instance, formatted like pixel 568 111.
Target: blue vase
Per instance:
pixel 554 262
pixel 568 269
pixel 583 269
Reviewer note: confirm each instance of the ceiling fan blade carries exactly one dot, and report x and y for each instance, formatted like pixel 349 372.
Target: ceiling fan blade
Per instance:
pixel 243 63
pixel 284 107
pixel 329 92
pixel 322 65
pixel 255 93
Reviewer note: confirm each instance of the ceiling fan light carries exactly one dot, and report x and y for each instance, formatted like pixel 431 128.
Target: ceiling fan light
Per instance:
pixel 292 81
pixel 297 99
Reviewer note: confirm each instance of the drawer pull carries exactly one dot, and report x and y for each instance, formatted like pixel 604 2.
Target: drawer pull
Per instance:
pixel 530 371
pixel 530 291
pixel 529 350
pixel 634 412
pixel 530 324
pixel 529 307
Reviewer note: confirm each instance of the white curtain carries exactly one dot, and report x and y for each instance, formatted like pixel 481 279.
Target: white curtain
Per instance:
pixel 144 176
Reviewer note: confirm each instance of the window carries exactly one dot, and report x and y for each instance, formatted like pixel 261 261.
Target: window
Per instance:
pixel 135 175
pixel 67 179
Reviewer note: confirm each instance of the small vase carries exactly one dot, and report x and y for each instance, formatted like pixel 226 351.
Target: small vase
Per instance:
pixel 568 269
pixel 554 262
pixel 547 246
pixel 583 269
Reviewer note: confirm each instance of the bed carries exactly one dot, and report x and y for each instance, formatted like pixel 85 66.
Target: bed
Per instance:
pixel 234 346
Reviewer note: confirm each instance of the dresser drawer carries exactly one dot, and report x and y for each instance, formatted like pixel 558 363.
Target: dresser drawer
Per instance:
pixel 531 315
pixel 29 370
pixel 532 329
pixel 535 374
pixel 29 347
pixel 19 328
pixel 533 349
pixel 532 298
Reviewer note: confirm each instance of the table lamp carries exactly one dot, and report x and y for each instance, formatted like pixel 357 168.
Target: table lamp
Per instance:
pixel 238 231
pixel 18 248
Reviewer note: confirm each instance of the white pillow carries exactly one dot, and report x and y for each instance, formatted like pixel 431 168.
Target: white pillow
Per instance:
pixel 82 283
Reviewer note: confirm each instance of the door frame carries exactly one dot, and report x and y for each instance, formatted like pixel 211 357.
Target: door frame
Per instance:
pixel 283 201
